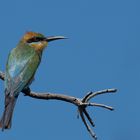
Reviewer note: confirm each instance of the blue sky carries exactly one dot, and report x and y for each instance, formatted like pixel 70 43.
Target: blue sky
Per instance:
pixel 102 52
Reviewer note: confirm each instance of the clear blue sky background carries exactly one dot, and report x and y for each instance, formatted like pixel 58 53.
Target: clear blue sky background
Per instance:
pixel 103 51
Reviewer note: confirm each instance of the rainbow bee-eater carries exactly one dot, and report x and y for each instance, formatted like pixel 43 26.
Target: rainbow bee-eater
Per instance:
pixel 21 67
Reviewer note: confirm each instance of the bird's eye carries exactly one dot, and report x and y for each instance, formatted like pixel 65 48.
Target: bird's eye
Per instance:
pixel 35 39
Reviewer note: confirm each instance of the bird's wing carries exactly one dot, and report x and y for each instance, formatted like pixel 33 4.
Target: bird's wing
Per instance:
pixel 21 66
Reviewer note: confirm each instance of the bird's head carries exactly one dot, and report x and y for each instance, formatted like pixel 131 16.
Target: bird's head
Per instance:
pixel 38 41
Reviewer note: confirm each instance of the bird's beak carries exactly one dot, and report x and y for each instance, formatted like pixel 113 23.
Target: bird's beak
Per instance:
pixel 52 38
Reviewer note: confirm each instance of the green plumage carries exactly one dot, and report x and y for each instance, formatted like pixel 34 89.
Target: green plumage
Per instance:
pixel 20 69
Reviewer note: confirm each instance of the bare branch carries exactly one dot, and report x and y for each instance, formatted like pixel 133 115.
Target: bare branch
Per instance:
pixel 53 96
pixel 80 103
pixel 86 124
pixel 88 117
pixel 93 94
pixel 99 105
pixel 87 96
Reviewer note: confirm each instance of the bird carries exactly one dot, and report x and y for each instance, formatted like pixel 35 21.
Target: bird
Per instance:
pixel 21 66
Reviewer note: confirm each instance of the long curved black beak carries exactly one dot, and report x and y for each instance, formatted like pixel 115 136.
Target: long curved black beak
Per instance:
pixel 52 38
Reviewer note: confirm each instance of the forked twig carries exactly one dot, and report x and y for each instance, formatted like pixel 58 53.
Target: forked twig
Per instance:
pixel 86 124
pixel 93 94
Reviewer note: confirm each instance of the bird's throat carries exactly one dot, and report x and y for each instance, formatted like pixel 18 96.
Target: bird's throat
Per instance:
pixel 39 46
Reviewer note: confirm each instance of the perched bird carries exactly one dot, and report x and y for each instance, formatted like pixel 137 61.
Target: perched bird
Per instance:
pixel 21 67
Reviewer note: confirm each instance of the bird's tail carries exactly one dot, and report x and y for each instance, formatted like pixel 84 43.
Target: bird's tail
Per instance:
pixel 6 120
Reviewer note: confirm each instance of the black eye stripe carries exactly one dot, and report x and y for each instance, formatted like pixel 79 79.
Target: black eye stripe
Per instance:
pixel 35 39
